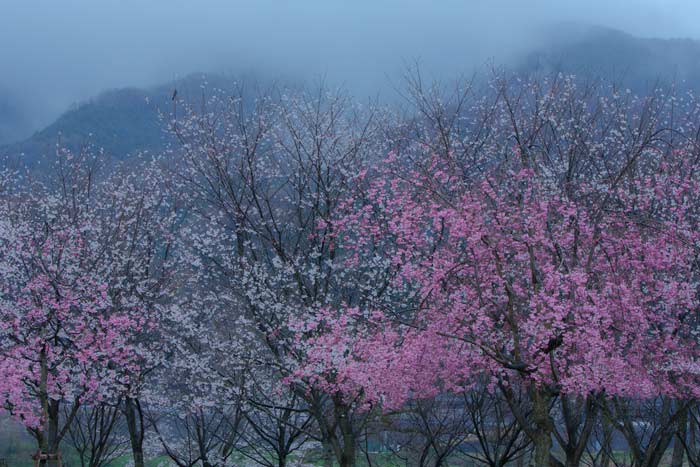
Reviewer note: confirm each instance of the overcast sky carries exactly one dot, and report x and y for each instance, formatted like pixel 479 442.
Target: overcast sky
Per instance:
pixel 55 52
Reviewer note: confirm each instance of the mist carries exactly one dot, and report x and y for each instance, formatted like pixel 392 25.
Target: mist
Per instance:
pixel 56 53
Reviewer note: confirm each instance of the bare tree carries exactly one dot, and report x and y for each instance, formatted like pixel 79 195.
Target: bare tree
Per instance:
pixel 98 434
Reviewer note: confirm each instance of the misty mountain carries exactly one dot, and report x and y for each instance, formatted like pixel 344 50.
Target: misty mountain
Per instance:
pixel 14 124
pixel 125 121
pixel 615 56
pixel 120 121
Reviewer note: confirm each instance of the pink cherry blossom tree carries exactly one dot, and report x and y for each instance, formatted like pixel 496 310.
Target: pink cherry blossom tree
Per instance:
pixel 62 344
pixel 89 248
pixel 561 260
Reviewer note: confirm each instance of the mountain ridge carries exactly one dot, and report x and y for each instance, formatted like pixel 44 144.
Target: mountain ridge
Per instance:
pixel 127 120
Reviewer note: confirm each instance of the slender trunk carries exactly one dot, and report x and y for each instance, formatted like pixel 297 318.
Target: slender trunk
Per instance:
pixel 423 457
pixel 692 446
pixel 579 420
pixel 202 442
pixel 657 454
pixel 660 441
pixel 606 447
pixel 573 461
pixel 203 456
pixel 543 446
pixel 678 442
pixel 48 440
pixel 542 432
pixel 44 399
pixel 346 445
pixel 53 434
pixel 337 435
pixel 327 454
pixel 281 448
pixel 347 458
pixel 134 422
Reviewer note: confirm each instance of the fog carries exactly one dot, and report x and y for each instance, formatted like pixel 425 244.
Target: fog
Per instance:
pixel 54 53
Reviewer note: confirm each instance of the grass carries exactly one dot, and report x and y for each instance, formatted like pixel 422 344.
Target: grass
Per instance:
pixel 23 459
pixel 154 462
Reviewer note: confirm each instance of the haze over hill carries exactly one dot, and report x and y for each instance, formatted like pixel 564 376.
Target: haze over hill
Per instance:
pixel 120 121
pixel 63 52
pixel 638 62
pixel 126 120
pixel 14 124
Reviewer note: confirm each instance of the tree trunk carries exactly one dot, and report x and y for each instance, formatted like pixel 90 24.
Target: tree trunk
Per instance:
pixel 580 417
pixel 53 434
pixel 606 445
pixel 48 440
pixel 692 445
pixel 134 422
pixel 327 454
pixel 341 437
pixel 542 436
pixel 543 446
pixel 347 458
pixel 337 434
pixel 678 442
pixel 423 456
